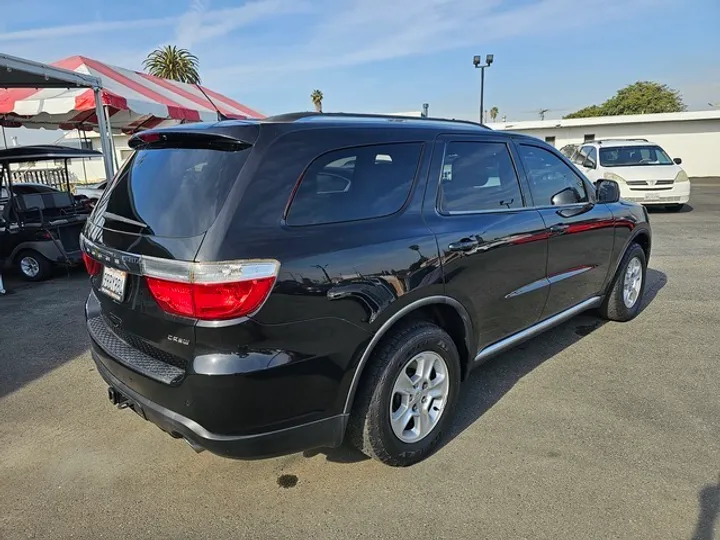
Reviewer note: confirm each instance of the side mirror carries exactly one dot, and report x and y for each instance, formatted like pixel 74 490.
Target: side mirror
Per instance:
pixel 607 191
pixel 566 196
pixel 588 163
pixel 677 161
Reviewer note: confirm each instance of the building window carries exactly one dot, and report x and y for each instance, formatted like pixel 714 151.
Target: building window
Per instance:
pixel 86 145
pixel 589 137
pixel 550 140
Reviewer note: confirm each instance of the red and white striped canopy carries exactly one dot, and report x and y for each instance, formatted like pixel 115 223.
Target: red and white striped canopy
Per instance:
pixel 134 101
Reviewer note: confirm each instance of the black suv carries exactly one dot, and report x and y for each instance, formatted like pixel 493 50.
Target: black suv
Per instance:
pixel 264 287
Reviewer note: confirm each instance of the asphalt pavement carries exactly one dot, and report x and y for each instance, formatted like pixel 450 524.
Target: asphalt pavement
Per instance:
pixel 590 431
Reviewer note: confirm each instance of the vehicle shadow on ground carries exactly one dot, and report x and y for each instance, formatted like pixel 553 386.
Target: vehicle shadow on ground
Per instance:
pixel 661 210
pixel 41 327
pixel 708 513
pixel 490 382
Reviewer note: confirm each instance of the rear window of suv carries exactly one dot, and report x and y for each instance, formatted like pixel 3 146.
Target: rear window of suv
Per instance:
pixel 172 192
pixel 355 183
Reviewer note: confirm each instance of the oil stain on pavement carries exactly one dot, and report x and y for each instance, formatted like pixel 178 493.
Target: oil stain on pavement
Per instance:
pixel 287 481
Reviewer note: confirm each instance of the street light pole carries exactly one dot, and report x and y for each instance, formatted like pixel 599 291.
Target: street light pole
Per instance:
pixel 482 95
pixel 477 62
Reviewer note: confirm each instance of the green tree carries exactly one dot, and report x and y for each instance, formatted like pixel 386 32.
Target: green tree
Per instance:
pixel 169 62
pixel 586 112
pixel 642 97
pixel 493 113
pixel 316 97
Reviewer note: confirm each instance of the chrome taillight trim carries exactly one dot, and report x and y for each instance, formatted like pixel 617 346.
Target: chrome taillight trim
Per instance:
pixel 183 271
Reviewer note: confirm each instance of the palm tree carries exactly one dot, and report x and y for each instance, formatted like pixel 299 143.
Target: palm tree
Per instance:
pixel 169 62
pixel 317 97
pixel 493 113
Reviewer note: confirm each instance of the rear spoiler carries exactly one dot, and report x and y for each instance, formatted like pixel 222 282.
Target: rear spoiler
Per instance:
pixel 187 137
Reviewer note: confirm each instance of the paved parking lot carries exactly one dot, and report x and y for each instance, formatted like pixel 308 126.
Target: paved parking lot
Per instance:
pixel 590 431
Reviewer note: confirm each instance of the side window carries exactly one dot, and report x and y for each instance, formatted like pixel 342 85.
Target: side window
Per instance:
pixel 551 179
pixel 592 154
pixel 355 183
pixel 478 176
pixel 586 152
pixel 580 155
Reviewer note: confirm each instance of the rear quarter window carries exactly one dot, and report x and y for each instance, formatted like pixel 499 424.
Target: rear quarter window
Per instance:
pixel 355 183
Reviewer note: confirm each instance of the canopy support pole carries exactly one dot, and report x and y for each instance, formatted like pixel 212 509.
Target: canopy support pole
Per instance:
pixel 3 130
pixel 112 139
pixel 105 136
pixel 80 138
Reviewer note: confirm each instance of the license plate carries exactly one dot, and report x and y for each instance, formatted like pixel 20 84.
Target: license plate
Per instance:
pixel 113 283
pixel 652 197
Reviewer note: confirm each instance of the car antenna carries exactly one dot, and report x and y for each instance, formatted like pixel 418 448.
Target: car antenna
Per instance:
pixel 221 116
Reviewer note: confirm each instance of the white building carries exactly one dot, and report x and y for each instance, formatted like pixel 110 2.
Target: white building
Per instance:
pixel 692 136
pixel 92 168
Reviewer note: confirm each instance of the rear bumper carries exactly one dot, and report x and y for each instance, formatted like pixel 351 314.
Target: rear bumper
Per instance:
pixel 326 432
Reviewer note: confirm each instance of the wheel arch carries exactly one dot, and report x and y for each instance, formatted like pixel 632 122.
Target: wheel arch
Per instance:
pixel 445 311
pixel 46 248
pixel 643 238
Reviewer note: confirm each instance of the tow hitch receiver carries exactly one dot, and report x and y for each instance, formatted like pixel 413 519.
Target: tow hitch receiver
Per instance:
pixel 117 399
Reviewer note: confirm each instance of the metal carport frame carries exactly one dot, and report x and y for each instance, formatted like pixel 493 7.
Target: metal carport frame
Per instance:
pixel 20 73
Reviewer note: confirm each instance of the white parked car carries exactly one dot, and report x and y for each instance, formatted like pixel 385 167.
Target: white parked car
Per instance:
pixel 645 172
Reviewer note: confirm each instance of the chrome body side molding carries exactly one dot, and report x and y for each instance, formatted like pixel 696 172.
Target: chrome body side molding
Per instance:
pixel 536 329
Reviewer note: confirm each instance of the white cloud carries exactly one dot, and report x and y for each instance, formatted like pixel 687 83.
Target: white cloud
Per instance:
pixel 352 33
pixel 73 30
pixel 200 24
pixel 333 33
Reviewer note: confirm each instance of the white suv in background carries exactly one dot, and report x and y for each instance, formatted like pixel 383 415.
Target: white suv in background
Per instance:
pixel 645 172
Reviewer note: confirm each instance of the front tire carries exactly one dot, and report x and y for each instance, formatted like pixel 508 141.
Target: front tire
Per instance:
pixel 407 395
pixel 624 298
pixel 33 266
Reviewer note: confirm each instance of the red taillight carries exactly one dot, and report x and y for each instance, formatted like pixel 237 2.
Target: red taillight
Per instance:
pixel 91 265
pixel 214 301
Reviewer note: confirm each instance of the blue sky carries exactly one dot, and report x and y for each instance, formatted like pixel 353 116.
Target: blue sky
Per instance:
pixel 394 55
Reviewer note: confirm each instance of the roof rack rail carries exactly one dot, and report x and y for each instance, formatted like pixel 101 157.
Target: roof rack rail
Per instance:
pixel 291 117
pixel 614 140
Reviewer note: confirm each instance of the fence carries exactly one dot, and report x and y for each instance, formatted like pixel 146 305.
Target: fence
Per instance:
pixel 50 177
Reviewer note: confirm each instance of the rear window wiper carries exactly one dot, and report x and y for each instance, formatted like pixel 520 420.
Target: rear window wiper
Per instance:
pixel 116 217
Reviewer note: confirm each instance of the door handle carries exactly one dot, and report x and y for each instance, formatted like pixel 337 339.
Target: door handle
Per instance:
pixel 559 229
pixel 465 244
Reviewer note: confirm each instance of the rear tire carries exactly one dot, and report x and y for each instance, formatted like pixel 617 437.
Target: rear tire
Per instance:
pixel 624 299
pixel 407 395
pixel 674 207
pixel 33 266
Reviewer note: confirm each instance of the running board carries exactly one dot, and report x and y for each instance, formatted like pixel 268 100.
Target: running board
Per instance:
pixel 536 329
